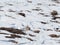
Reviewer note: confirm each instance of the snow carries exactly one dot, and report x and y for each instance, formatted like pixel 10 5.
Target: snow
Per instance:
pixel 33 19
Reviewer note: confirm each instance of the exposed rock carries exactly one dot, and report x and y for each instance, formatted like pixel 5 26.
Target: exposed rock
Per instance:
pixel 22 14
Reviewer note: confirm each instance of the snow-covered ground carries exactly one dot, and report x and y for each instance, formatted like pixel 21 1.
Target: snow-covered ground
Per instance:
pixel 34 18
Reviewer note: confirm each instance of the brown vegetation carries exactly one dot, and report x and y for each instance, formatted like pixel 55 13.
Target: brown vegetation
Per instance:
pixel 22 14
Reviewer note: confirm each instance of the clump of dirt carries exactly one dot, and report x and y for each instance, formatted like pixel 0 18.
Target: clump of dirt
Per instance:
pixel 54 35
pixel 54 13
pixel 22 14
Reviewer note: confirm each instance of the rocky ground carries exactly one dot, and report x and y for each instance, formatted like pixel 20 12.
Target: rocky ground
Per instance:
pixel 29 22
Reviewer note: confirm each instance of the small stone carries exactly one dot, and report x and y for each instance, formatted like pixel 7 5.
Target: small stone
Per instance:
pixel 22 14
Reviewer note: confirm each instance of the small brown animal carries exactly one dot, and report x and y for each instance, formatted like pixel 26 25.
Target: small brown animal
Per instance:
pixel 54 13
